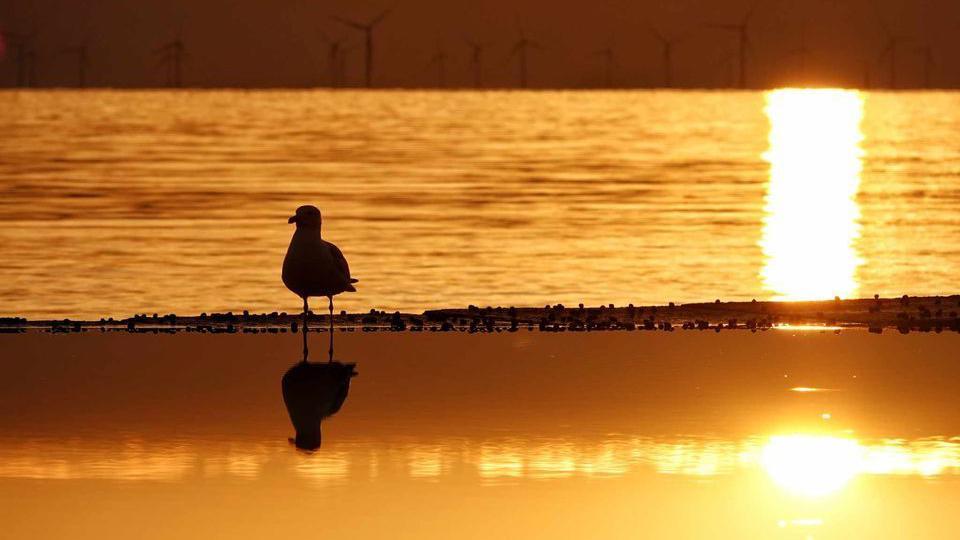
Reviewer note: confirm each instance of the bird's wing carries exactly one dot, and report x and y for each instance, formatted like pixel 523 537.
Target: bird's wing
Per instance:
pixel 340 261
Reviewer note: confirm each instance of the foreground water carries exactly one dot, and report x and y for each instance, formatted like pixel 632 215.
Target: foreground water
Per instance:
pixel 120 202
pixel 625 435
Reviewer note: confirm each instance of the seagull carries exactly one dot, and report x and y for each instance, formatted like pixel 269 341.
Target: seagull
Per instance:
pixel 314 267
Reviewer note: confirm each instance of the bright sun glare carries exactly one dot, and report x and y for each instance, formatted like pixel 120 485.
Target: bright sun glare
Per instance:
pixel 811 465
pixel 812 216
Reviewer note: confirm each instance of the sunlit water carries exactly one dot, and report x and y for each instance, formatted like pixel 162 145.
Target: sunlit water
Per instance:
pixel 649 435
pixel 120 202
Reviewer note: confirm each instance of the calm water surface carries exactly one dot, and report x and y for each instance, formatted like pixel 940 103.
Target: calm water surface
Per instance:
pixel 652 435
pixel 120 202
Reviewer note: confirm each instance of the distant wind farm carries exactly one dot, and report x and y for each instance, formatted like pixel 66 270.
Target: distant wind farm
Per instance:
pixel 761 45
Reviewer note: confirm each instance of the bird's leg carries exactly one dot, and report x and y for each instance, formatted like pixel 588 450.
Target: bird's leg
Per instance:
pixel 331 329
pixel 305 310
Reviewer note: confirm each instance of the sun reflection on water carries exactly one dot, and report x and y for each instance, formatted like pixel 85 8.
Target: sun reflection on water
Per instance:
pixel 811 465
pixel 812 217
pixel 803 464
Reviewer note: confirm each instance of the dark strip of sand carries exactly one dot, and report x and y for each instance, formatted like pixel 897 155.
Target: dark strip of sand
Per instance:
pixel 931 313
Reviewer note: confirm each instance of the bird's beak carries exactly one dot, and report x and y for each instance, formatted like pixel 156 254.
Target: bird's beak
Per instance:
pixel 293 219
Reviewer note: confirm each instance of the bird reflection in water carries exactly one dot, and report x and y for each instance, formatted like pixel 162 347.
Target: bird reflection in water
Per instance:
pixel 312 393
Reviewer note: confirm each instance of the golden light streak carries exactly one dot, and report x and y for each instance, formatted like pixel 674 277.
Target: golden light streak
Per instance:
pixel 803 464
pixel 811 222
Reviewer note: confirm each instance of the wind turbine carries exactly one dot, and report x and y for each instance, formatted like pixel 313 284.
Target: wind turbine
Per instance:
pixel 802 52
pixel 727 63
pixel 32 72
pixel 81 51
pixel 367 29
pixel 439 59
pixel 890 45
pixel 666 54
pixel 520 48
pixel 926 52
pixel 335 61
pixel 172 55
pixel 741 30
pixel 609 60
pixel 24 55
pixel 476 61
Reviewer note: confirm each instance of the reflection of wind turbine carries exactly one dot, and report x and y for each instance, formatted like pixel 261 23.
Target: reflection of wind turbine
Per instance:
pixel 741 30
pixel 666 52
pixel 335 61
pixel 439 59
pixel 608 62
pixel 520 49
pixel 82 62
pixel 367 29
pixel 476 61
pixel 172 55
pixel 926 52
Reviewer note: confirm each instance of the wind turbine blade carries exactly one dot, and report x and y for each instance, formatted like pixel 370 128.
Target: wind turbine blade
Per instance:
pixel 886 49
pixel 730 27
pixel 383 15
pixel 348 22
pixel 656 33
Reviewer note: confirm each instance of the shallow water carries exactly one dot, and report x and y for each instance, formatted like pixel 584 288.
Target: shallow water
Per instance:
pixel 623 435
pixel 114 202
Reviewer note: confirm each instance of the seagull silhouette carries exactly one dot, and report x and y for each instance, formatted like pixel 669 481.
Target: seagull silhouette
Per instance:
pixel 314 267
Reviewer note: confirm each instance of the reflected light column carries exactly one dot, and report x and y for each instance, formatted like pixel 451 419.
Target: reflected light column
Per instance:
pixel 812 217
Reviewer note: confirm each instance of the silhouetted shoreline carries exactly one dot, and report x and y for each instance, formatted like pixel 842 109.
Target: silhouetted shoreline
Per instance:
pixel 904 314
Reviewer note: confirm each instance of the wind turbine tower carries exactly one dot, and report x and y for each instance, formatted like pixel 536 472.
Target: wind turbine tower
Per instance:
pixel 926 52
pixel 608 62
pixel 802 52
pixel 81 52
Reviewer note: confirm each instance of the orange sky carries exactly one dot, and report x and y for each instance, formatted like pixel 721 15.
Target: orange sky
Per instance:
pixel 269 43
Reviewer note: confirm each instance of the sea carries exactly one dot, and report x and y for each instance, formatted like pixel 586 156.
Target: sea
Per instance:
pixel 116 202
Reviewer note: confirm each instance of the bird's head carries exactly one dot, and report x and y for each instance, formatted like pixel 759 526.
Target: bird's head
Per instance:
pixel 307 216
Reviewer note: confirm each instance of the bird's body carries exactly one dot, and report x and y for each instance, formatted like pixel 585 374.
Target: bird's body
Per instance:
pixel 314 267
